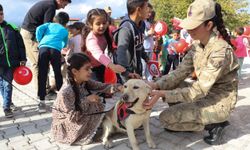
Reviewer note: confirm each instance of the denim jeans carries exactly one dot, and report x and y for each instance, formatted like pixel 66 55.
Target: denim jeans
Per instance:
pixel 6 87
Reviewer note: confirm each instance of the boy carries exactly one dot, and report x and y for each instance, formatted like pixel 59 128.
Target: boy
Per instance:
pixel 173 56
pixel 12 55
pixel 52 38
pixel 129 39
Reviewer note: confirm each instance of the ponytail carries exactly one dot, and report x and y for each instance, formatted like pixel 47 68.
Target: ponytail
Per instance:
pixel 220 24
pixel 72 82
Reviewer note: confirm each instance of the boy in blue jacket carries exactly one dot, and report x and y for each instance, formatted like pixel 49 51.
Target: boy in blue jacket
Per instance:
pixel 52 38
pixel 12 55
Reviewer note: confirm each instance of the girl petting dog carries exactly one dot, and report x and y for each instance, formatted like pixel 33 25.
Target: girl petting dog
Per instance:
pixel 74 115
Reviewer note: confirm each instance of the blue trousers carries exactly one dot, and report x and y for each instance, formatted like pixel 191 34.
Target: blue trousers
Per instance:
pixel 6 77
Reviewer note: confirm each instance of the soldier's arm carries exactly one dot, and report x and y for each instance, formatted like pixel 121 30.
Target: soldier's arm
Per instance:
pixel 171 80
pixel 217 62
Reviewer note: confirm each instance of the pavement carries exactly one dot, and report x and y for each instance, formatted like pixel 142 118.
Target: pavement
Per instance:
pixel 29 130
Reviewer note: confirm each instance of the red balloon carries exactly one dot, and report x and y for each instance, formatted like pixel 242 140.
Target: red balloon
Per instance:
pixel 246 31
pixel 181 46
pixel 161 28
pixel 22 75
pixel 109 76
pixel 176 22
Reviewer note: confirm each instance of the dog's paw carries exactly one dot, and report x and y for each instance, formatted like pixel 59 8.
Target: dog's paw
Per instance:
pixel 107 144
pixel 151 144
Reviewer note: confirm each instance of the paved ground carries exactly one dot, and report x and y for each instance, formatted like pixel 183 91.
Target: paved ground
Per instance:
pixel 29 130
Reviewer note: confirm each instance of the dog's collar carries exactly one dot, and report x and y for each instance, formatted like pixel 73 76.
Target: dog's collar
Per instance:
pixel 123 112
pixel 136 100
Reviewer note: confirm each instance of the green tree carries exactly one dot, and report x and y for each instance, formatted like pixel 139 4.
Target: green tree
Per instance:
pixel 234 11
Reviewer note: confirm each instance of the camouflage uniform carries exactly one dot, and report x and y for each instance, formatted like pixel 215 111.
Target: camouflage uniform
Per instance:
pixel 210 98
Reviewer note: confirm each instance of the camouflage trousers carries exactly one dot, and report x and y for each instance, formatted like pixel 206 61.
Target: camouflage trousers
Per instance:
pixel 214 108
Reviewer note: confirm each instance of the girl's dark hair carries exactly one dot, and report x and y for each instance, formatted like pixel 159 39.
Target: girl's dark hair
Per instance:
pixel 62 18
pixel 219 23
pixel 1 7
pixel 89 22
pixel 133 4
pixel 75 61
pixel 77 25
pixel 151 19
pixel 239 30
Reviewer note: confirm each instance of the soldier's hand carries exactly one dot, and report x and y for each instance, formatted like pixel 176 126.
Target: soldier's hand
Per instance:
pixel 148 104
pixel 153 85
pixel 93 98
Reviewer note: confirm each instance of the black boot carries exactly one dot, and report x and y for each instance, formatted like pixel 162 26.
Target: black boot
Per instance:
pixel 215 133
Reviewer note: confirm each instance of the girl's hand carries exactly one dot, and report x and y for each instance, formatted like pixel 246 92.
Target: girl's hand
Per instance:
pixel 116 68
pixel 22 63
pixel 93 98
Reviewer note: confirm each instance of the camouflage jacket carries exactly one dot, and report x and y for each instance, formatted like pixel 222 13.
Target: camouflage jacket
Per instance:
pixel 216 69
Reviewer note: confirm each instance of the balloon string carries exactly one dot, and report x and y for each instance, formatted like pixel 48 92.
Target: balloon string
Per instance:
pixel 34 99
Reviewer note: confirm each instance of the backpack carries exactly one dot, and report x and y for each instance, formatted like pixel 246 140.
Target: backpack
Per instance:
pixel 133 61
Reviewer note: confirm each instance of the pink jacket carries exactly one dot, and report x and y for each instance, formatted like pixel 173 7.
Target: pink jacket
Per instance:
pixel 241 50
pixel 96 45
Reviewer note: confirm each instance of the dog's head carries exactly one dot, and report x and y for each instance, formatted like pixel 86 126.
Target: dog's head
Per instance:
pixel 135 91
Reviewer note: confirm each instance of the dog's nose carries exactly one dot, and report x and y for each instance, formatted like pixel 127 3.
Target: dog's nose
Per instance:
pixel 125 97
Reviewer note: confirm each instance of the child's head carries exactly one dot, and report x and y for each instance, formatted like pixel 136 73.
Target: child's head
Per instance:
pixel 78 71
pixel 62 18
pixel 175 34
pixel 76 28
pixel 79 68
pixel 138 8
pixel 150 9
pixel 239 31
pixel 1 14
pixel 97 21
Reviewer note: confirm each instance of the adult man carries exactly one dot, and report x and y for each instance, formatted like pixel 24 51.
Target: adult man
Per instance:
pixel 40 13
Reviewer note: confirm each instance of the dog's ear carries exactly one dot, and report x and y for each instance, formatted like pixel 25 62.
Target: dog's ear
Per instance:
pixel 149 89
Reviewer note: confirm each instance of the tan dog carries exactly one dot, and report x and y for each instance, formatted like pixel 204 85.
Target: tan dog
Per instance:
pixel 129 114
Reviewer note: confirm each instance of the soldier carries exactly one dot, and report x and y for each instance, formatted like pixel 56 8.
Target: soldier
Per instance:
pixel 207 102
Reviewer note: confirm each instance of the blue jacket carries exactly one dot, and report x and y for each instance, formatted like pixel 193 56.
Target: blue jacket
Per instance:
pixel 52 35
pixel 12 49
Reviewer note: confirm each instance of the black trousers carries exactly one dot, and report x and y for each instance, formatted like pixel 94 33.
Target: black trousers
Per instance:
pixel 53 56
pixel 171 60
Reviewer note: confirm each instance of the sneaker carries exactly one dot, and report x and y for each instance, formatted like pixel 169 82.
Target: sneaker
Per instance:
pixel 13 107
pixel 8 113
pixel 51 95
pixel 42 107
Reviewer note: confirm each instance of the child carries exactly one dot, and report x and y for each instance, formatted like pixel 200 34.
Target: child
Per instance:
pixel 70 120
pixel 148 40
pixel 12 54
pixel 96 39
pixel 129 39
pixel 52 37
pixel 75 42
pixel 241 49
pixel 173 56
